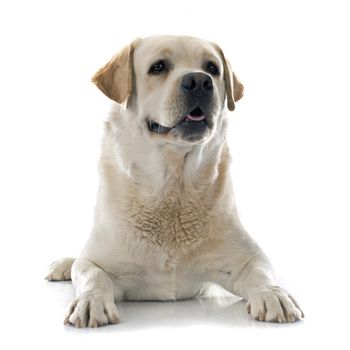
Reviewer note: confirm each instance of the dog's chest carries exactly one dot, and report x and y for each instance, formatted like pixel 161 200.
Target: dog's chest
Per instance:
pixel 174 224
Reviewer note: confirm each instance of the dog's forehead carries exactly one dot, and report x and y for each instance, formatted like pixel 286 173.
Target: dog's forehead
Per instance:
pixel 178 48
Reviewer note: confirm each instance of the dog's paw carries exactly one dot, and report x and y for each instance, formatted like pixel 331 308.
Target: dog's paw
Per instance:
pixel 91 310
pixel 273 304
pixel 60 270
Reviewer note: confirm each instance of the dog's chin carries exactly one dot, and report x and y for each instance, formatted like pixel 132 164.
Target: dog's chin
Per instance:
pixel 192 132
pixel 195 128
pixel 186 131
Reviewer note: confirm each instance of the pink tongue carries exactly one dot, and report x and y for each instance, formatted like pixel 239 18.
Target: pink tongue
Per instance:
pixel 195 118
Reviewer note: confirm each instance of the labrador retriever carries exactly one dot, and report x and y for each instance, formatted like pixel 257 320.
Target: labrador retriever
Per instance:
pixel 166 223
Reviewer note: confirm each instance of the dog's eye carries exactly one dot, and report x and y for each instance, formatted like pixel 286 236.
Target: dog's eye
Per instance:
pixel 212 68
pixel 157 67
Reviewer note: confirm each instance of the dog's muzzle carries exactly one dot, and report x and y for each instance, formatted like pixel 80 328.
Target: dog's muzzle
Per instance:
pixel 196 122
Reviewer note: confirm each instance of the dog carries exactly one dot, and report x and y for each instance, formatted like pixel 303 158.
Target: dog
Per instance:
pixel 165 222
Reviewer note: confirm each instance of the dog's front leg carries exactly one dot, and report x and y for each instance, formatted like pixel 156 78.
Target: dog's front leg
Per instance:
pixel 94 305
pixel 267 301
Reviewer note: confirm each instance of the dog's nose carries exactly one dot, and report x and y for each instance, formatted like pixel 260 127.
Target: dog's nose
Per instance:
pixel 197 84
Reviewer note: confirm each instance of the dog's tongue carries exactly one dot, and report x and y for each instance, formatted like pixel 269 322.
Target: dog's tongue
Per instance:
pixel 195 118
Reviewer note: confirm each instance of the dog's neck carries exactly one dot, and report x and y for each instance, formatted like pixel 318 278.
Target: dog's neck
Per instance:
pixel 156 170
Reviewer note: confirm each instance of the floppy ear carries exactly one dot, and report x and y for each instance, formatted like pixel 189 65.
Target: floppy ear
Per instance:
pixel 234 88
pixel 115 79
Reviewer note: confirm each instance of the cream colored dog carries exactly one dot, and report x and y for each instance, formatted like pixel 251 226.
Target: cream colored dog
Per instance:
pixel 166 222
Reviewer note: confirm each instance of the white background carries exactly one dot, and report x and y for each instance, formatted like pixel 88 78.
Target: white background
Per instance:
pixel 289 139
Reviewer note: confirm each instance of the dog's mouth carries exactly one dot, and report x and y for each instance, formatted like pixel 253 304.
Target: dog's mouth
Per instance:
pixel 195 118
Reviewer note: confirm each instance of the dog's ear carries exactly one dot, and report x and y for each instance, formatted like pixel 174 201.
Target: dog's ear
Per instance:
pixel 234 88
pixel 115 78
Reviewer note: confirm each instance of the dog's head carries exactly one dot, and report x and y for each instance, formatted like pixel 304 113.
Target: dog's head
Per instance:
pixel 177 85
